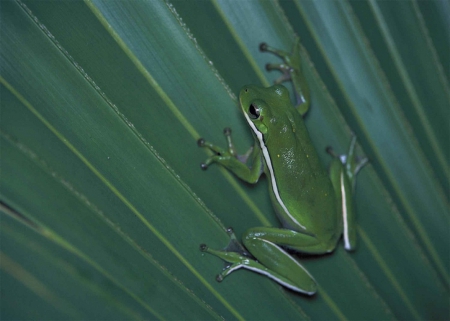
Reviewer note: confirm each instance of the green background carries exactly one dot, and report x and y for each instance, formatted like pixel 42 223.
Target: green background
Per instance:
pixel 103 203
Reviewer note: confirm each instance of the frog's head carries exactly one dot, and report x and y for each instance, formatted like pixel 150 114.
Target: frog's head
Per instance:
pixel 264 107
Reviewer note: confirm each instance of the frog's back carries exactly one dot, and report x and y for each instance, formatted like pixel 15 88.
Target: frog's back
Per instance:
pixel 303 193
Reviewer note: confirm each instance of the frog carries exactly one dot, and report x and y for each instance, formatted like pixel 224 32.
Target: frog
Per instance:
pixel 313 205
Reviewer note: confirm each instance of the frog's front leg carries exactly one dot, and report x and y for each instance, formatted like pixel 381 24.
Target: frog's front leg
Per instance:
pixel 237 164
pixel 264 243
pixel 291 69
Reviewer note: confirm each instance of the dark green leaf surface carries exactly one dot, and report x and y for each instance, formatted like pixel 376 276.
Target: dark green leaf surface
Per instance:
pixel 103 204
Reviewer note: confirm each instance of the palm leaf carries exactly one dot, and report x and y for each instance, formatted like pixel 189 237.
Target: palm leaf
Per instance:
pixel 103 204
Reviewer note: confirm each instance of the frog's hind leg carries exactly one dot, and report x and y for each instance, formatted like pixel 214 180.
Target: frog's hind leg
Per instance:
pixel 267 245
pixel 343 171
pixel 271 259
pixel 238 261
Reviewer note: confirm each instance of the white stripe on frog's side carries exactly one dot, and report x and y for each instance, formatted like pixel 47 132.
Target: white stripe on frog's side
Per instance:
pixel 269 166
pixel 347 245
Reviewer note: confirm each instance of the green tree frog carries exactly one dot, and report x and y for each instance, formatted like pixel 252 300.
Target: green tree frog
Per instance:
pixel 314 207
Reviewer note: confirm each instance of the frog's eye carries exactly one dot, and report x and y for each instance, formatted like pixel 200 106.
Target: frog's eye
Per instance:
pixel 253 111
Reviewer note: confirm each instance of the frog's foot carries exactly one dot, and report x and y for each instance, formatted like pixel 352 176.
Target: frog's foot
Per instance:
pixel 291 71
pixel 222 155
pixel 351 161
pixel 287 68
pixel 233 253
pixel 234 260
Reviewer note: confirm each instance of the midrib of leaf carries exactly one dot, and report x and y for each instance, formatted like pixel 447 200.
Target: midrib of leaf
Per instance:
pixel 402 70
pixel 61 241
pixel 395 184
